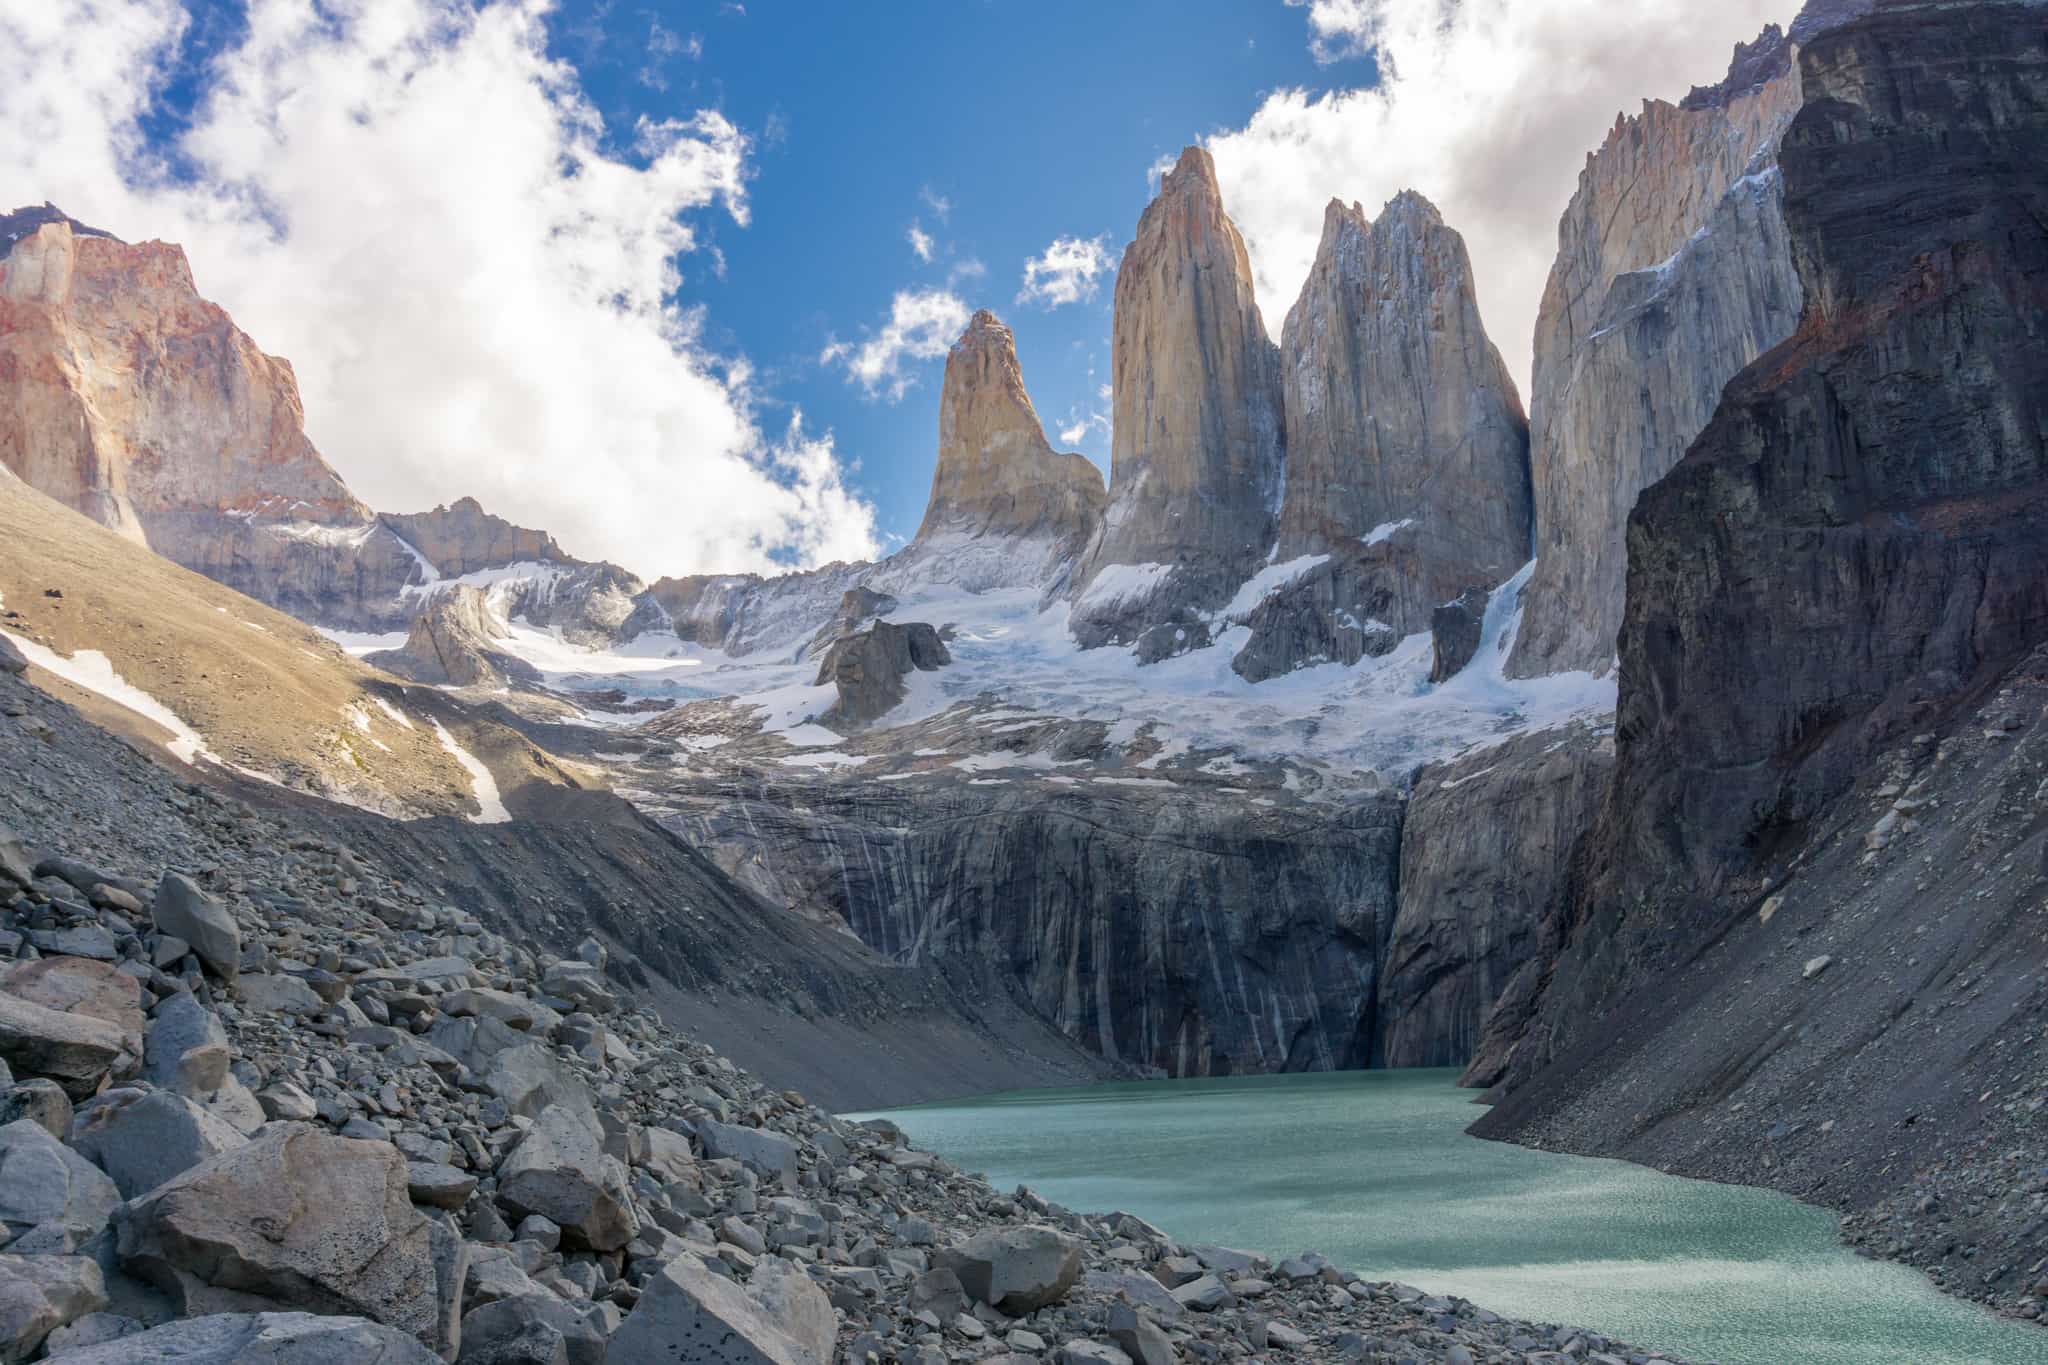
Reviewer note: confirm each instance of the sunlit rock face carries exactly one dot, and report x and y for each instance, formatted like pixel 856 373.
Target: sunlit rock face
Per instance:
pixel 1673 272
pixel 1196 452
pixel 1407 451
pixel 127 396
pixel 996 474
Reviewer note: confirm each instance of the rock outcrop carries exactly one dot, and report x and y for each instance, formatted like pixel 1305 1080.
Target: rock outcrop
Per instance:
pixel 1197 445
pixel 462 538
pixel 1407 451
pixel 1485 842
pixel 1673 272
pixel 996 475
pixel 869 668
pixel 1792 953
pixel 452 643
pixel 128 397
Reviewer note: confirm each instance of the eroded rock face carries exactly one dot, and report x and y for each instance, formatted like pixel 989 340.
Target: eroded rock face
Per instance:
pixel 1855 543
pixel 996 474
pixel 127 396
pixel 461 538
pixel 1407 451
pixel 1484 846
pixel 1673 272
pixel 1197 447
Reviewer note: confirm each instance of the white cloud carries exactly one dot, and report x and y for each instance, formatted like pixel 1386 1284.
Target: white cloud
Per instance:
pixel 922 325
pixel 1067 272
pixel 921 243
pixel 414 203
pixel 1489 107
pixel 939 204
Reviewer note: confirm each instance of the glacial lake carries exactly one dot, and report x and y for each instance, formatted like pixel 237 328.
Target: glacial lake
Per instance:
pixel 1373 1169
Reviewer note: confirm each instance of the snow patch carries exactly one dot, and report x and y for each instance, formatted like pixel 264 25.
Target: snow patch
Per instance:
pixel 94 672
pixel 1118 584
pixel 829 759
pixel 490 806
pixel 1386 531
pixel 1268 581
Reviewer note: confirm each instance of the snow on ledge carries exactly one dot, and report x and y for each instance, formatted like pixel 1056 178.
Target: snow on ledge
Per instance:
pixel 490 806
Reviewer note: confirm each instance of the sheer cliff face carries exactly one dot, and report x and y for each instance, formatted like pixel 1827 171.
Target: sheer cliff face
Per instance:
pixel 1195 473
pixel 1672 274
pixel 1407 454
pixel 1855 546
pixel 463 538
pixel 130 398
pixel 996 474
pixel 1398 406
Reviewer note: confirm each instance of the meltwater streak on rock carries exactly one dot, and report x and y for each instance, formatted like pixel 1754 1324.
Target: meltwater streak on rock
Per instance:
pixel 1196 449
pixel 1371 1169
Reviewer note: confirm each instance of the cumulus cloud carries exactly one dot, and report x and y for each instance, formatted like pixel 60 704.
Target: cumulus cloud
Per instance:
pixel 415 203
pixel 1067 272
pixel 922 325
pixel 921 244
pixel 1489 107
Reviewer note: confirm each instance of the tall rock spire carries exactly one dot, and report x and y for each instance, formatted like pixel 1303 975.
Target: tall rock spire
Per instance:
pixel 996 473
pixel 1195 476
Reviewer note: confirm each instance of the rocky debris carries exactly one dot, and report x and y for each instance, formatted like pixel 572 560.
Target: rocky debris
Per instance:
pixel 996 476
pixel 450 644
pixel 868 668
pixel 561 1172
pixel 261 1339
pixel 687 1313
pixel 188 914
pixel 142 1138
pixel 76 1051
pixel 1673 272
pixel 39 1294
pixel 1197 444
pixel 1015 1271
pixel 48 1189
pixel 1455 629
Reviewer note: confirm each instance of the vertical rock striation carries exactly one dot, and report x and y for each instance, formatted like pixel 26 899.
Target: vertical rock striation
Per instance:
pixel 1196 452
pixel 1407 452
pixel 1673 272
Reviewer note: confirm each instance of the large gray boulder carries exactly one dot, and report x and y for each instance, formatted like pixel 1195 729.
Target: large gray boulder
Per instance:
pixel 262 1339
pixel 186 1050
pixel 301 1219
pixel 43 1183
pixel 76 1051
pixel 39 1294
pixel 533 1329
pixel 531 1077
pixel 560 1171
pixel 141 1138
pixel 1015 1270
pixel 763 1152
pixel 795 1303
pixel 689 1316
pixel 79 985
pixel 182 909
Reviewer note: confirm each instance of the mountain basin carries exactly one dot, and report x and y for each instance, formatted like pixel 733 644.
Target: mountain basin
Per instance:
pixel 1374 1170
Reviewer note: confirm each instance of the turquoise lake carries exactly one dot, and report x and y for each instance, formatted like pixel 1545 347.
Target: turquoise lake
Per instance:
pixel 1374 1170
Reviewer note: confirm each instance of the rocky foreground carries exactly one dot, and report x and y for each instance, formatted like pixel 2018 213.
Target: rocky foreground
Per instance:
pixel 265 1103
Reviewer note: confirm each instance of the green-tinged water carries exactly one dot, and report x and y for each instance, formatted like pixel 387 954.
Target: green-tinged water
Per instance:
pixel 1373 1169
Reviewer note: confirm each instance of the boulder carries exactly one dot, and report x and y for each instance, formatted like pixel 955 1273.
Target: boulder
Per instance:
pixel 762 1152
pixel 41 1100
pixel 515 1011
pixel 688 1316
pixel 1138 1337
pixel 75 1050
pixel 532 1077
pixel 794 1302
pixel 299 1218
pixel 77 985
pixel 141 1138
pixel 1015 1270
pixel 15 864
pixel 39 1294
pixel 181 908
pixel 438 1184
pixel 186 1050
pixel 560 1171
pixel 43 1183
pixel 278 994
pixel 262 1339
pixel 538 1328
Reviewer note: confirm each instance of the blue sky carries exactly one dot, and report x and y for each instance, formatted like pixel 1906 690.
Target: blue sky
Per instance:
pixel 1028 122
pixel 588 260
